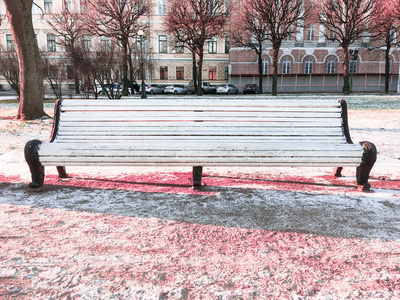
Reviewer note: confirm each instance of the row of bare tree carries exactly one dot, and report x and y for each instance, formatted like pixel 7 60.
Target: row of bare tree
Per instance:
pixel 261 25
pixel 265 24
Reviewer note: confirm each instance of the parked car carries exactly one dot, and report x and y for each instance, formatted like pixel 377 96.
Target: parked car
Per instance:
pixel 153 89
pixel 176 89
pixel 227 89
pixel 114 87
pixel 251 89
pixel 206 86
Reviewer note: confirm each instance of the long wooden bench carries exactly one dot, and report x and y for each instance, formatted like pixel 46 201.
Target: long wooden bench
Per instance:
pixel 200 132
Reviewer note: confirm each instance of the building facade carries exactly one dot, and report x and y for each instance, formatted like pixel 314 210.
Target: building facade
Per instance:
pixel 307 62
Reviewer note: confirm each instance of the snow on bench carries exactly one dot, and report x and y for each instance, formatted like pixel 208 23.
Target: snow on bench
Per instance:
pixel 200 132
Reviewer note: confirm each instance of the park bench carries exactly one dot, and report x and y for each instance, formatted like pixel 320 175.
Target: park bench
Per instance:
pixel 198 132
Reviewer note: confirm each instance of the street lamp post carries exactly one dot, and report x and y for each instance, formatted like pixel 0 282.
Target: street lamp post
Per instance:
pixel 354 56
pixel 141 34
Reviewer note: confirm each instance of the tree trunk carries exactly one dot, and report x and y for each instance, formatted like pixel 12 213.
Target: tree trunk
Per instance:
pixel 125 67
pixel 275 72
pixel 201 58
pixel 346 77
pixel 194 70
pixel 260 70
pixel 19 13
pixel 387 67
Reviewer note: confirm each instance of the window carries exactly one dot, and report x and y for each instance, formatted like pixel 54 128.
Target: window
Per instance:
pixel 105 44
pixel 332 35
pixel 53 71
pixel 68 5
pixel 179 47
pixel 311 33
pixel 331 66
pixel 161 7
pixel 48 6
pixel 83 6
pixel 227 44
pixel 265 66
pixel 352 66
pixel 162 44
pixel 70 72
pixel 226 73
pixel 212 73
pixel 286 66
pixel 163 73
pixel 308 68
pixel 180 73
pixel 212 46
pixel 87 42
pixel 10 43
pixel 51 43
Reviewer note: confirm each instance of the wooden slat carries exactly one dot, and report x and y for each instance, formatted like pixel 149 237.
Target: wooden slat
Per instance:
pixel 189 115
pixel 201 160
pixel 201 132
pixel 201 101
pixel 327 123
pixel 217 155
pixel 206 139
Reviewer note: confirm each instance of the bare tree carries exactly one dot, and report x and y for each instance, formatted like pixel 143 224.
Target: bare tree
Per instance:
pixel 119 20
pixel 54 73
pixel 252 32
pixel 70 28
pixel 282 18
pixel 194 22
pixel 345 21
pixel 102 66
pixel 385 30
pixel 19 14
pixel 9 69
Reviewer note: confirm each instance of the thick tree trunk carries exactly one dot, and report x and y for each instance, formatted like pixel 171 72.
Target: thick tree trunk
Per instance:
pixel 125 67
pixel 194 70
pixel 275 72
pixel 201 58
pixel 260 70
pixel 19 13
pixel 346 76
pixel 387 67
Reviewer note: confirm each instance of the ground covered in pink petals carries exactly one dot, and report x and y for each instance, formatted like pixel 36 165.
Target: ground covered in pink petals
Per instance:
pixel 52 253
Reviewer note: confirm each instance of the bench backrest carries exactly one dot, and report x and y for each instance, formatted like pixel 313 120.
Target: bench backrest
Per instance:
pixel 200 119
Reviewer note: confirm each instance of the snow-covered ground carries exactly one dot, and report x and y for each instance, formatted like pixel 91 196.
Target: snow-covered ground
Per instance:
pixel 251 233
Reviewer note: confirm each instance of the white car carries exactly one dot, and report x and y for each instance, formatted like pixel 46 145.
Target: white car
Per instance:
pixel 175 89
pixel 227 89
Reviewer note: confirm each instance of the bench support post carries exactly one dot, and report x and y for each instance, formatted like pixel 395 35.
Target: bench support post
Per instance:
pixel 62 173
pixel 197 173
pixel 36 168
pixel 368 161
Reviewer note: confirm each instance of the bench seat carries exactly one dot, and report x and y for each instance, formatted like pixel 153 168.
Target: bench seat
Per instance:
pixel 200 132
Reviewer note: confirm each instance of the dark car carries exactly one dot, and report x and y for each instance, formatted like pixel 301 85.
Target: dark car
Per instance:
pixel 251 89
pixel 206 86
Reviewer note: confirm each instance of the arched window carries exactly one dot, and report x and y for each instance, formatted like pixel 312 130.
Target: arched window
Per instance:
pixel 330 67
pixel 286 66
pixel 265 66
pixel 352 65
pixel 308 68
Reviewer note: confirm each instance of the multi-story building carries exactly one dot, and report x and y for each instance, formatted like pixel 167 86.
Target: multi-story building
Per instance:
pixel 167 64
pixel 307 62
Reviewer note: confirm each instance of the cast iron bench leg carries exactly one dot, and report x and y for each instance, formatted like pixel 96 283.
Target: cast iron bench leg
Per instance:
pixel 197 173
pixel 368 161
pixel 61 172
pixel 36 168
